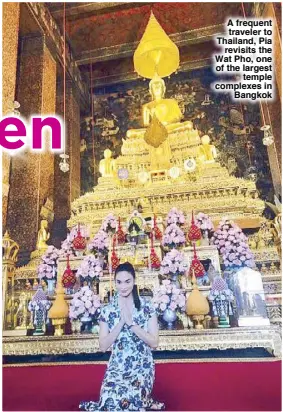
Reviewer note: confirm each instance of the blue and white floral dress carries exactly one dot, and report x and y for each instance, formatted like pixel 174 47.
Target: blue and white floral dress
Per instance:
pixel 129 377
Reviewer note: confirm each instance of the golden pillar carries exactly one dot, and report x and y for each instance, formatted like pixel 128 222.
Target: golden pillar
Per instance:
pixel 10 34
pixel 10 257
pixel 67 185
pixel 32 175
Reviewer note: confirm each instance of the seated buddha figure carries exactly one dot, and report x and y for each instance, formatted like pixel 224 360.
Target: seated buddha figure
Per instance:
pixel 107 165
pixel 168 113
pixel 206 151
pixel 43 235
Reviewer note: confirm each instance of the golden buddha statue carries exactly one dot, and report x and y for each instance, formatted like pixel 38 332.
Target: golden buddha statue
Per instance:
pixel 155 57
pixel 107 165
pixel 42 236
pixel 167 111
pixel 207 151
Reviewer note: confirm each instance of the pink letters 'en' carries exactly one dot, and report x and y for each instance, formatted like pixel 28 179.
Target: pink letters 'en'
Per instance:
pixel 38 124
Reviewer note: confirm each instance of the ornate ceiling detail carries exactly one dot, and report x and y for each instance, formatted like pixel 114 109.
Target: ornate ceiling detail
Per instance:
pixel 77 10
pixel 105 35
pixel 125 50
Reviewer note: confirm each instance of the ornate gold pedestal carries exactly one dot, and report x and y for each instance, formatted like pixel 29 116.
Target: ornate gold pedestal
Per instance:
pixel 268 337
pixel 199 321
pixel 59 323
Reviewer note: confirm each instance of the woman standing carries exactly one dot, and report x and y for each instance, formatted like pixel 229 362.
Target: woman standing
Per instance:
pixel 130 325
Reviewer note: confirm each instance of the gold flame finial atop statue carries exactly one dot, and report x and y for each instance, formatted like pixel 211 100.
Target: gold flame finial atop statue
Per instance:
pixel 156 53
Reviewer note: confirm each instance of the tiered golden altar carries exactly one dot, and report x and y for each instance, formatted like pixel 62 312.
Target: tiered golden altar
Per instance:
pixel 213 191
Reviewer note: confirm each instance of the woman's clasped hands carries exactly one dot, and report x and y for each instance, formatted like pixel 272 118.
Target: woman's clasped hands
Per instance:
pixel 126 313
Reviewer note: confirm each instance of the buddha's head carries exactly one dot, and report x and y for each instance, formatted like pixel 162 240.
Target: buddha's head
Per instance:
pixel 205 139
pixel 107 154
pixel 157 87
pixel 44 224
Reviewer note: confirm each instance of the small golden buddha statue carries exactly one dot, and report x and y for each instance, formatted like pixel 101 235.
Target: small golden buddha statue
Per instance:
pixel 266 232
pixel 21 314
pixel 42 236
pixel 273 267
pixel 252 241
pixel 277 223
pixel 107 165
pixel 207 151
pixel 261 243
pixel 9 313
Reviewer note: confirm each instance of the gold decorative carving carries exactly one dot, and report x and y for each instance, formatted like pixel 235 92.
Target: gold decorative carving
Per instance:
pixel 268 337
pixel 218 193
pixel 10 257
pixel 10 250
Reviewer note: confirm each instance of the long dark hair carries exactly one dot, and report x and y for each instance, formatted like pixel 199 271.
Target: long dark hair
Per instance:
pixel 128 267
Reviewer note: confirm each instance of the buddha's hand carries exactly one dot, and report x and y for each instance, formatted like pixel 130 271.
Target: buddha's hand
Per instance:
pixel 132 133
pixel 135 133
